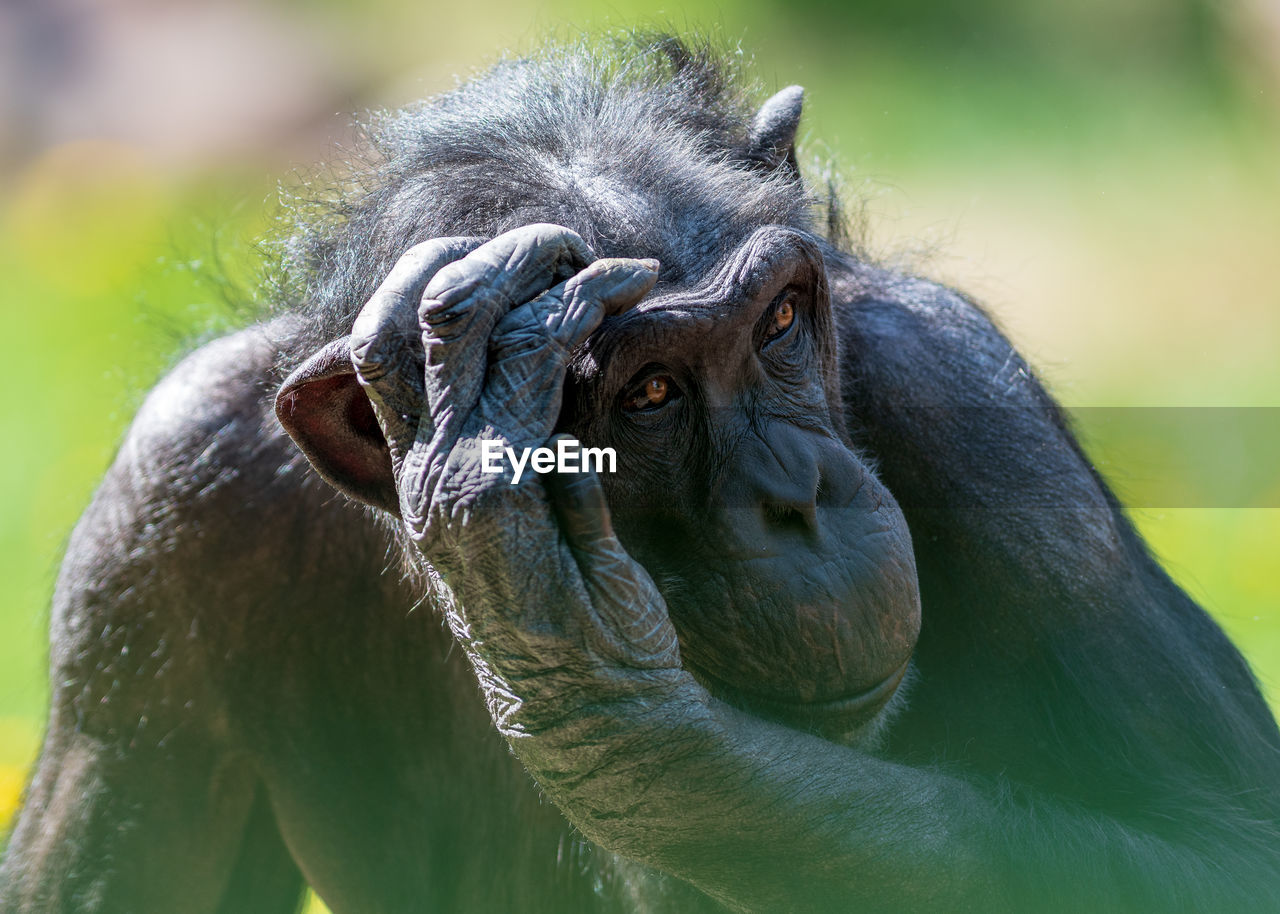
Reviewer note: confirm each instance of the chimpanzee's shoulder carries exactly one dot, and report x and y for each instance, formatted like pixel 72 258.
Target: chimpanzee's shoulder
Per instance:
pixel 211 414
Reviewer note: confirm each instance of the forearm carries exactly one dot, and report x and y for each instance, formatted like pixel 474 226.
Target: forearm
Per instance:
pixel 766 818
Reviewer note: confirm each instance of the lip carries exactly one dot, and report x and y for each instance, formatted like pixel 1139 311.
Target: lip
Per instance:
pixel 829 717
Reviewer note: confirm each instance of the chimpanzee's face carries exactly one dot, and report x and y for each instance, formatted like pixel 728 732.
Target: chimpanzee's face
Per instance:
pixel 786 564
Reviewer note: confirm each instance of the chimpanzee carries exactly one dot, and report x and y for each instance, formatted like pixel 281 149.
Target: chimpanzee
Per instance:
pixel 852 625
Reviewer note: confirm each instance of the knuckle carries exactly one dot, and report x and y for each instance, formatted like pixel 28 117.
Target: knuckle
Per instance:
pixel 433 253
pixel 426 250
pixel 456 281
pixel 368 327
pixel 477 308
pixel 376 325
pixel 368 357
pixel 549 234
pixel 376 353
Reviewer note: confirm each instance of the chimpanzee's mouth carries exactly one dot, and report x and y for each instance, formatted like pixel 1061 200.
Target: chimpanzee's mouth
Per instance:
pixel 831 718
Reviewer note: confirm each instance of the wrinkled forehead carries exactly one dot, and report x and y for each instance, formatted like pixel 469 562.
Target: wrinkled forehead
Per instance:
pixel 689 216
pixel 763 257
pixel 623 220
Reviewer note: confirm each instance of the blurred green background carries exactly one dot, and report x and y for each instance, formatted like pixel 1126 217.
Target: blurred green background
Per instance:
pixel 1104 174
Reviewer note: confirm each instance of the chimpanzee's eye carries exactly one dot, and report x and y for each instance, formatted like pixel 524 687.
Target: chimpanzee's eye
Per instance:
pixel 783 315
pixel 651 393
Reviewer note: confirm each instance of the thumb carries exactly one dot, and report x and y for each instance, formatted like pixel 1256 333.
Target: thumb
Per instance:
pixel 631 624
pixel 581 508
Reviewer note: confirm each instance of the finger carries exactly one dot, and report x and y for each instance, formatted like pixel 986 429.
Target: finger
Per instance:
pixel 631 624
pixel 510 269
pixel 385 341
pixel 607 287
pixel 466 299
pixel 570 312
pixel 581 508
pixel 530 346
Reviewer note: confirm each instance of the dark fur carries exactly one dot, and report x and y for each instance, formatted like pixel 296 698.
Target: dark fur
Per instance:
pixel 237 658
pixel 543 139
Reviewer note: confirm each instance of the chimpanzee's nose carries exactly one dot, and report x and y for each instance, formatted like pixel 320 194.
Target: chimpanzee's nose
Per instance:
pixel 789 507
pixel 773 484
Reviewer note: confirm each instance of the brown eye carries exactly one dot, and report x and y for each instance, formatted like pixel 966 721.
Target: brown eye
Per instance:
pixel 784 315
pixel 650 395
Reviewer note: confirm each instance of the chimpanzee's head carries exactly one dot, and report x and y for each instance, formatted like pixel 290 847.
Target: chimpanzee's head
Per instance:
pixel 787 566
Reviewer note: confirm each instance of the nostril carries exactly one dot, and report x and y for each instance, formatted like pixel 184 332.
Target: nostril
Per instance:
pixel 781 518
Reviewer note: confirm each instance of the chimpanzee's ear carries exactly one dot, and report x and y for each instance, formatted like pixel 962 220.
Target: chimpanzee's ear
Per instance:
pixel 773 131
pixel 325 411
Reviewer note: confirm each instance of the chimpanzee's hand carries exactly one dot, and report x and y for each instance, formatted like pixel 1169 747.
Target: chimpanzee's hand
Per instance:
pixel 557 615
